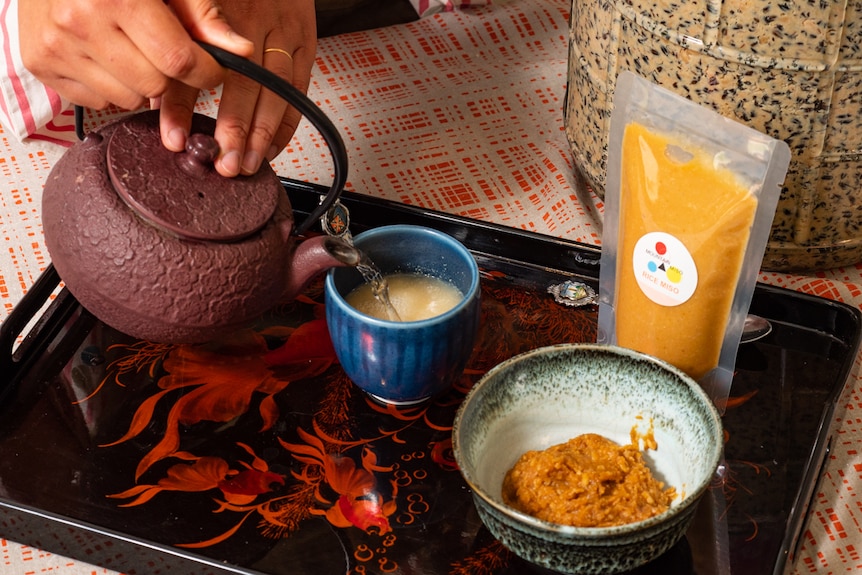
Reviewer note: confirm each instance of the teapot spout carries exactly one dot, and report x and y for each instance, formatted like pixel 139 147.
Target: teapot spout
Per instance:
pixel 314 256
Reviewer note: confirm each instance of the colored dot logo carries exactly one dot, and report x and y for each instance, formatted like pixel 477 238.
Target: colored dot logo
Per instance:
pixel 664 269
pixel 672 273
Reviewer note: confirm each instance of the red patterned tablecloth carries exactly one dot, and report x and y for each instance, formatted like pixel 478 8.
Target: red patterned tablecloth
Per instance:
pixel 460 112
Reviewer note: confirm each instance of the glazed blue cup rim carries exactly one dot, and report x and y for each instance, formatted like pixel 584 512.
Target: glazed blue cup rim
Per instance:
pixel 451 242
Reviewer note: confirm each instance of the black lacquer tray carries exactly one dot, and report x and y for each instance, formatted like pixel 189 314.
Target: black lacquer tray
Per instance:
pixel 255 454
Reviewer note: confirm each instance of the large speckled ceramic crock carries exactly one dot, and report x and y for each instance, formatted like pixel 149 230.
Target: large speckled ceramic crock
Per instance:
pixel 789 72
pixel 545 397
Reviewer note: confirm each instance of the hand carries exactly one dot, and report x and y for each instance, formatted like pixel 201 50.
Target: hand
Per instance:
pixel 253 124
pixel 123 52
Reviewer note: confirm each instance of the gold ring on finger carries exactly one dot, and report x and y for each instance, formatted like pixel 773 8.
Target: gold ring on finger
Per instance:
pixel 280 51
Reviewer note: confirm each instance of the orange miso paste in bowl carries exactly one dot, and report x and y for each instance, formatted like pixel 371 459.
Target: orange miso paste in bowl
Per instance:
pixel 684 226
pixel 588 481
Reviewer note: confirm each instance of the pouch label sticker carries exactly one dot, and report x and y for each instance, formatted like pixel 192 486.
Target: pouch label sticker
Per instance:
pixel 664 269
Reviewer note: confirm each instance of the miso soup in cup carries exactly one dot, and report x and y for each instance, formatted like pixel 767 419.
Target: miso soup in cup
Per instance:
pixel 434 284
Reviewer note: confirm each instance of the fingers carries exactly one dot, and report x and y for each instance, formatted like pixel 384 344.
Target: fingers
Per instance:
pixel 96 52
pixel 176 107
pixel 254 124
pixel 64 45
pixel 303 63
pixel 174 53
pixel 251 131
pixel 272 111
pixel 205 21
pixel 250 117
pixel 303 60
pixel 123 52
pixel 236 109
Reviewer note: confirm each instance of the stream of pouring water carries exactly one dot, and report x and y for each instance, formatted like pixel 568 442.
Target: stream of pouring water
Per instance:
pixel 379 286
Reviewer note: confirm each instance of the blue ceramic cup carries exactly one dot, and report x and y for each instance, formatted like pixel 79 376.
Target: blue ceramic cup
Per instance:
pixel 405 362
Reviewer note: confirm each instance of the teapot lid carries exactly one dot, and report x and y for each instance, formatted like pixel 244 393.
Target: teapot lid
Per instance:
pixel 181 192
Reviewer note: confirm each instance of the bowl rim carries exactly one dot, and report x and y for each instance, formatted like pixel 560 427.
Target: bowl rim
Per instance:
pixel 691 497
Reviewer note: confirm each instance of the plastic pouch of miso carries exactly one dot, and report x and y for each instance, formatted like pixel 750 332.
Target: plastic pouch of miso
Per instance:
pixel 689 204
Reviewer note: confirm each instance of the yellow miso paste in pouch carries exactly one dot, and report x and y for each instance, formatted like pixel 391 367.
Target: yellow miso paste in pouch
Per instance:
pixel 683 229
pixel 689 203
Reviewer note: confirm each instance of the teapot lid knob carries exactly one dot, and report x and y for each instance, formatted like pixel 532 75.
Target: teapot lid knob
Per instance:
pixel 201 151
pixel 181 192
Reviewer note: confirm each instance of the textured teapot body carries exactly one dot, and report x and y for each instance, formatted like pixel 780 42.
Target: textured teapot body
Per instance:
pixel 148 282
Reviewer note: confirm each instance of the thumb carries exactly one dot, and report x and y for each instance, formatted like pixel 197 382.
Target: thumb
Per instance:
pixel 204 21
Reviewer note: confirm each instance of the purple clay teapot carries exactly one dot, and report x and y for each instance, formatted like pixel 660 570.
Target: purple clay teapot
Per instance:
pixel 161 247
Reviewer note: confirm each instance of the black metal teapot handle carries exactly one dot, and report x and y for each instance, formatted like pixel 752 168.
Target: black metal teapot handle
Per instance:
pixel 295 98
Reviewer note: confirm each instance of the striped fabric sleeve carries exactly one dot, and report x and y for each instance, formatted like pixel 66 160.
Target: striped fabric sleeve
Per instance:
pixel 428 7
pixel 27 106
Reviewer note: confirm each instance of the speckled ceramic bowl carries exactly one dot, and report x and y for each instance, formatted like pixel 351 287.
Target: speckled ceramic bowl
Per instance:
pixel 549 395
